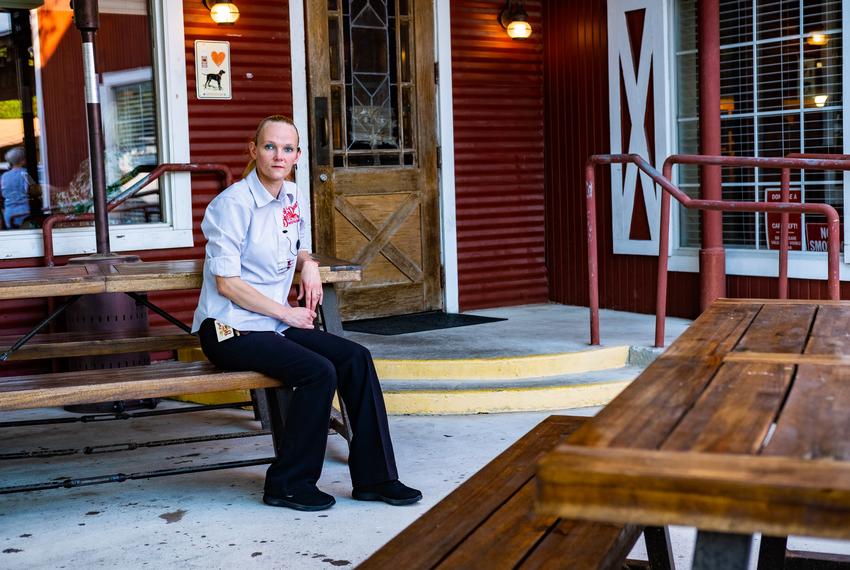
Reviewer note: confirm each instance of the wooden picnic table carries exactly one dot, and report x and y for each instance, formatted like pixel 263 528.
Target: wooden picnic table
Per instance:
pixel 742 426
pixel 142 276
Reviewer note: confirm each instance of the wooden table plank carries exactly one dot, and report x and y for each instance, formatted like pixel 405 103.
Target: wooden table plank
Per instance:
pixel 715 332
pixel 188 274
pixel 38 282
pixel 778 329
pixel 735 412
pixel 831 331
pixel 815 421
pixel 154 276
pixel 737 409
pixel 645 413
pixel 576 544
pixel 743 494
pixel 821 392
pixel 434 535
pixel 62 345
pixel 504 539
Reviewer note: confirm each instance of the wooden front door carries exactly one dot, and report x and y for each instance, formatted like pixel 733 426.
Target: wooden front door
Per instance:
pixel 373 150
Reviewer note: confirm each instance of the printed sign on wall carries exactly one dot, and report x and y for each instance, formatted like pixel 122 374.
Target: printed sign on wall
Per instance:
pixel 212 69
pixel 773 221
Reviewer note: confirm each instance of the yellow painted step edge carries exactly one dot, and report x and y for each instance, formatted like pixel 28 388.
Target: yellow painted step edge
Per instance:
pixel 496 401
pixel 503 368
pixel 499 368
pixel 470 401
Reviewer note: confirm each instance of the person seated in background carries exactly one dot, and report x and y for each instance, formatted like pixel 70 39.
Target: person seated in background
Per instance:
pixel 14 186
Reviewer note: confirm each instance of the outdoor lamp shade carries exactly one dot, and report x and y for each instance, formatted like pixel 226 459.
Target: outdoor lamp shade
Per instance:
pixel 519 30
pixel 222 13
pixel 515 21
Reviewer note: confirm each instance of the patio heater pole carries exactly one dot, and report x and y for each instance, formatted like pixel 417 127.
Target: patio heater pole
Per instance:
pixel 712 257
pixel 86 20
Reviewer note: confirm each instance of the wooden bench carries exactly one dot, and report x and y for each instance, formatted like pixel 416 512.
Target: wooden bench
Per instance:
pixel 489 521
pixel 70 344
pixel 136 382
pixel 146 381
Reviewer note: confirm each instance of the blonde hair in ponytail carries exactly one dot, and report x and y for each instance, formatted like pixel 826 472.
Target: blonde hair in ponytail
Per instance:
pixel 270 119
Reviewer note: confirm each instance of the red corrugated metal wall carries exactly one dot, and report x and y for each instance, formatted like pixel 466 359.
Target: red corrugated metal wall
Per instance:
pixel 577 126
pixel 498 130
pixel 218 131
pixel 576 86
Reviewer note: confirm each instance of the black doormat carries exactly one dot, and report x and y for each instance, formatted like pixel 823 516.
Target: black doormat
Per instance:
pixel 416 322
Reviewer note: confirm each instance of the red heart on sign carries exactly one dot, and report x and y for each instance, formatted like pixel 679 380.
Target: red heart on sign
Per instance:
pixel 217 57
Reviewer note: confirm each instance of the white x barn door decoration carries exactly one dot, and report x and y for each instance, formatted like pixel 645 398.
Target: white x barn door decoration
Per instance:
pixel 639 101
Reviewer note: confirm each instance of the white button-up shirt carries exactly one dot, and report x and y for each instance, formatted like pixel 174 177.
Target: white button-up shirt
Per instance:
pixel 256 237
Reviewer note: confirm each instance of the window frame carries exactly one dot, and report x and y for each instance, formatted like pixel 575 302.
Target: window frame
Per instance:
pixel 169 72
pixel 762 262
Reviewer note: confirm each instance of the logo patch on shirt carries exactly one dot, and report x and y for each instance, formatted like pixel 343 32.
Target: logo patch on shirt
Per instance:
pixel 223 331
pixel 290 215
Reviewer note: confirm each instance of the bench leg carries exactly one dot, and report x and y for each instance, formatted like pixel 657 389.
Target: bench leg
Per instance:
pixel 658 547
pixel 278 400
pixel 330 310
pixel 261 408
pixel 332 323
pixel 340 422
pixel 722 551
pixel 772 552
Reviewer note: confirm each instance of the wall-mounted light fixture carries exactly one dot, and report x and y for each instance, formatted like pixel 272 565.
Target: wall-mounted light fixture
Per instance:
pixel 818 39
pixel 820 100
pixel 222 13
pixel 514 19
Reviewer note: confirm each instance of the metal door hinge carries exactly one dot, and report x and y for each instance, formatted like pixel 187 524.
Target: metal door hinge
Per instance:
pixel 439 157
pixel 437 72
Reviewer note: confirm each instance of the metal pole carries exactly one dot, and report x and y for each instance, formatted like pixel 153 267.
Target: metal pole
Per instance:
pixel 712 257
pixel 663 257
pixel 86 20
pixel 592 256
pixel 783 237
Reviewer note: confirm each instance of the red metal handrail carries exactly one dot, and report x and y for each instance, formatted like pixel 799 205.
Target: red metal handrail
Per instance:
pixel 717 205
pixel 153 175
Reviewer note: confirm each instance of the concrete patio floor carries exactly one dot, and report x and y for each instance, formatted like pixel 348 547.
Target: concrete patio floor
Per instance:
pixel 217 520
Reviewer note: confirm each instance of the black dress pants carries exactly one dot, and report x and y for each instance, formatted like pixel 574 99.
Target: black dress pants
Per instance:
pixel 314 364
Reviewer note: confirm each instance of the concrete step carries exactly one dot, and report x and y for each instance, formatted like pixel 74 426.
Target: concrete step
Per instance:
pixel 503 367
pixel 584 377
pixel 493 395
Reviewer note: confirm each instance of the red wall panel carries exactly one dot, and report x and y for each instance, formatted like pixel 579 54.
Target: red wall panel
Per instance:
pixel 498 130
pixel 577 126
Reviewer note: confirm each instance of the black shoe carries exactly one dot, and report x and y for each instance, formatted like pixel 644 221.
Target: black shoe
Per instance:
pixel 310 499
pixel 391 492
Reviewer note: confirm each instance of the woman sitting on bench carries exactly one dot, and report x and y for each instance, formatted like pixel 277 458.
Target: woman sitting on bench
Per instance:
pixel 258 233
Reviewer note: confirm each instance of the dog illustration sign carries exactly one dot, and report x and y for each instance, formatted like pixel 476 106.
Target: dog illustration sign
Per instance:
pixel 212 69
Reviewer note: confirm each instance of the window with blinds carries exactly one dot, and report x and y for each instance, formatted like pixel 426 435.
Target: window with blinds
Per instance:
pixel 135 124
pixel 781 93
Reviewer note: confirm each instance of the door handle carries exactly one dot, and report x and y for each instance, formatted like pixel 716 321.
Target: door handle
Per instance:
pixel 323 177
pixel 321 128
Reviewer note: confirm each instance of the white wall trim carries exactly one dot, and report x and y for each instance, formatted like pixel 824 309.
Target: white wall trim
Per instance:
pixel 300 109
pixel 173 113
pixel 445 118
pixel 752 263
pixel 654 55
pixel 845 118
